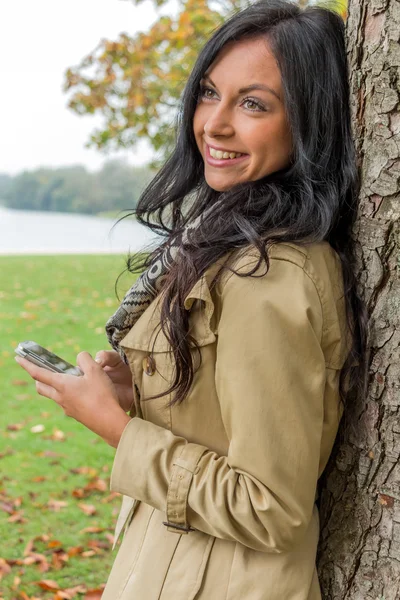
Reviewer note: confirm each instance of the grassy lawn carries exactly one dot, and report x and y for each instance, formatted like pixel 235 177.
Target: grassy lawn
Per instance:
pixel 56 510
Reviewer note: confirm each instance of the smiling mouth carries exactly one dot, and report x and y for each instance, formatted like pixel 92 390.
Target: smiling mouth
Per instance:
pixel 221 158
pixel 225 155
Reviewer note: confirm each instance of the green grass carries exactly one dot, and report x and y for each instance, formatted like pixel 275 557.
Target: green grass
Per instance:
pixel 61 302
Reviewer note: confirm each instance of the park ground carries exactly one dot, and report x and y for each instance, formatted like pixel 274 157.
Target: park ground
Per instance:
pixel 57 513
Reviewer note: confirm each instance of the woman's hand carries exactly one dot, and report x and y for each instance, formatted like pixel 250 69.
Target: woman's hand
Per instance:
pixel 90 399
pixel 119 373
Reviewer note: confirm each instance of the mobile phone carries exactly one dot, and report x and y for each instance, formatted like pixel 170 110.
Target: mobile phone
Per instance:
pixel 44 358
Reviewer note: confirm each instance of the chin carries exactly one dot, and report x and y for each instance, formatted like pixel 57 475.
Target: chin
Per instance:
pixel 220 186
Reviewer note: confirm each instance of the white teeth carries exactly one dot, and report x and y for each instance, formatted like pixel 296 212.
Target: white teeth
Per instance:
pixel 219 154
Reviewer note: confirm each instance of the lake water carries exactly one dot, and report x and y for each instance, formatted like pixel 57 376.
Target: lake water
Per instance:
pixel 31 232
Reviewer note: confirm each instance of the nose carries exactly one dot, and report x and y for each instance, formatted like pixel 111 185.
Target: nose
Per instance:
pixel 219 122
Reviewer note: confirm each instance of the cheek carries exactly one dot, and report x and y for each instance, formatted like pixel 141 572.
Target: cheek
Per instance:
pixel 273 140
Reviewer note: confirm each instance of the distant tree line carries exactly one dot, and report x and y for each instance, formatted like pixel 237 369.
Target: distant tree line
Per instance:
pixel 115 187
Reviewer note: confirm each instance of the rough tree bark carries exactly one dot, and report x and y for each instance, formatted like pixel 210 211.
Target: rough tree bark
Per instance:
pixel 359 552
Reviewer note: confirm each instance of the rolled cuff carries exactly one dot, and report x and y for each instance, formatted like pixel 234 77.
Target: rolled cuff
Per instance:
pixel 154 466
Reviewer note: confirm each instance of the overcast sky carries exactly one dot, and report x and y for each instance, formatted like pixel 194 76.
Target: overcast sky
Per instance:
pixel 39 39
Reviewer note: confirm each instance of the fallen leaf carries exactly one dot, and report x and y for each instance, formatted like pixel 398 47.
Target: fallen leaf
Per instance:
pixel 58 435
pixel 77 589
pixel 19 382
pixel 50 454
pixel 37 558
pixel 88 509
pixel 84 471
pixel 98 544
pixel 97 484
pixel 59 558
pixel 17 517
pixel 37 428
pixel 7 507
pixel 48 584
pixel 92 530
pixel 14 426
pixel 56 505
pixel 110 497
pixel 69 592
pixel 94 594
pixel 5 568
pixel 29 547
pixel 62 595
pixel 75 550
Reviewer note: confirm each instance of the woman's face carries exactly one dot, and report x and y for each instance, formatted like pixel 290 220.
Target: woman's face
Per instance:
pixel 240 123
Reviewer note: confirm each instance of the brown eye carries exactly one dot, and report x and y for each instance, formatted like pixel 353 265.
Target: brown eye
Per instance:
pixel 253 105
pixel 207 93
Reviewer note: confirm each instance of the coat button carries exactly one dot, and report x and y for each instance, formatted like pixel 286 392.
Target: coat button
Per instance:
pixel 149 365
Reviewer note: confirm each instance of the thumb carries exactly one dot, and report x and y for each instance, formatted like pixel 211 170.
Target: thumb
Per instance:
pixel 108 358
pixel 100 357
pixel 85 361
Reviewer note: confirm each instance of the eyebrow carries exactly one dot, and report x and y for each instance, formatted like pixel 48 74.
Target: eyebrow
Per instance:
pixel 250 88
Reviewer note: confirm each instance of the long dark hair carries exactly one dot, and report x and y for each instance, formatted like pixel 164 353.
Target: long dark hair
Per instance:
pixel 315 198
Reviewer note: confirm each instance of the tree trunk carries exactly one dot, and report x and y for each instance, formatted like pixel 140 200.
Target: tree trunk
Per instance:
pixel 359 551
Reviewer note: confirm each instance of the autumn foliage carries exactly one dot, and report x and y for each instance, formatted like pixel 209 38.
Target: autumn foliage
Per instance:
pixel 136 81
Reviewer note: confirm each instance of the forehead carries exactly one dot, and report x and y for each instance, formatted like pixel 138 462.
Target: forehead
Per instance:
pixel 244 63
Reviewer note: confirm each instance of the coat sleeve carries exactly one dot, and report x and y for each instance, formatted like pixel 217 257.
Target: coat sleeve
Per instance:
pixel 270 378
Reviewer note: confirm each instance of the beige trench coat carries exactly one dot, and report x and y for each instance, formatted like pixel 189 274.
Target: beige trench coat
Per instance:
pixel 219 492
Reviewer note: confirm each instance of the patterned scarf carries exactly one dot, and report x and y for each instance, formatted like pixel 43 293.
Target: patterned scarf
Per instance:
pixel 145 289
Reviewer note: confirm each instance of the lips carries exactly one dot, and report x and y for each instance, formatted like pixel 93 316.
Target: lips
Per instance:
pixel 213 161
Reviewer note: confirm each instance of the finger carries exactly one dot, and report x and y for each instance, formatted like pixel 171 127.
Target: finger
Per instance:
pixel 39 373
pixel 101 357
pixel 85 361
pixel 46 390
pixel 108 358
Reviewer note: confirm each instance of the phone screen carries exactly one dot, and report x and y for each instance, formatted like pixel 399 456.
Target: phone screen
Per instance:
pixel 46 358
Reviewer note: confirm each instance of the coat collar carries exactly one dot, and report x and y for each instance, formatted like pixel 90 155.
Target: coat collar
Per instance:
pixel 141 335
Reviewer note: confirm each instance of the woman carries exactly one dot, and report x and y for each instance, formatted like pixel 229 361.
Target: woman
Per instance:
pixel 234 350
